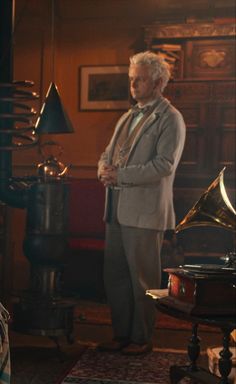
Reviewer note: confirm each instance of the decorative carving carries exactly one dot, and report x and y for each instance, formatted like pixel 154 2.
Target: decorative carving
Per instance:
pixel 212 58
pixel 187 30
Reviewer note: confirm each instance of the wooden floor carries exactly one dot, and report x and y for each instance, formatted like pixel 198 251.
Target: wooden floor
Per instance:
pixel 163 338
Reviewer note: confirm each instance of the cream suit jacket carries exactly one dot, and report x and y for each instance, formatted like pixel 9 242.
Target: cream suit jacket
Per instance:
pixel 146 180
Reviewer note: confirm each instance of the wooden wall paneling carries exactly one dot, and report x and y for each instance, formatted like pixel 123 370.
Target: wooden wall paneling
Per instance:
pixel 193 158
pixel 223 136
pixel 182 91
pixel 222 127
pixel 192 99
pixel 209 107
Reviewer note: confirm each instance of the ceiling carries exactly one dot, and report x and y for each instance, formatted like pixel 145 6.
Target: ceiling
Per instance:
pixel 71 9
pixel 89 9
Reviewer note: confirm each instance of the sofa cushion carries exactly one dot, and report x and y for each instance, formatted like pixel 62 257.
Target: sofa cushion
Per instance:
pixel 86 243
pixel 86 205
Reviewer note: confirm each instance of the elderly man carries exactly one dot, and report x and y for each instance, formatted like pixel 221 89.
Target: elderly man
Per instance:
pixel 138 169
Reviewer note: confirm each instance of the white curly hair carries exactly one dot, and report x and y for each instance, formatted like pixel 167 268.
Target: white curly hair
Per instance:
pixel 159 68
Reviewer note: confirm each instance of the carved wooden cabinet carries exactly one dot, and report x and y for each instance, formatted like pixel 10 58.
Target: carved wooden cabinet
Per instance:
pixel 208 108
pixel 202 58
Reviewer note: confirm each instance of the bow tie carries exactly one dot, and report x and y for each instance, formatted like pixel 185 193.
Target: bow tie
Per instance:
pixel 136 109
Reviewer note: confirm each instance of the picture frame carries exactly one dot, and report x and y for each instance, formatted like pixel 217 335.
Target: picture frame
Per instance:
pixel 103 87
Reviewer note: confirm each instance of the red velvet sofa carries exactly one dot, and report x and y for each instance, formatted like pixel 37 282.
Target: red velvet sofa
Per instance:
pixel 86 205
pixel 83 274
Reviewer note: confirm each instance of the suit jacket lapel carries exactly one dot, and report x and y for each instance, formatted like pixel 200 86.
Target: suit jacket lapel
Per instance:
pixel 158 111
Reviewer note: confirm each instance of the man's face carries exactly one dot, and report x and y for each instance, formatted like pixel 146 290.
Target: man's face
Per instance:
pixel 142 87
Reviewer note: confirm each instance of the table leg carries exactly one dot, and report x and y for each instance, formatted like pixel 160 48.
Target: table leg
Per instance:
pixel 194 348
pixel 225 362
pixel 177 373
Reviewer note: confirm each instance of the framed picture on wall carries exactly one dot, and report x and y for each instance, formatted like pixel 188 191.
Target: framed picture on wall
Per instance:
pixel 103 87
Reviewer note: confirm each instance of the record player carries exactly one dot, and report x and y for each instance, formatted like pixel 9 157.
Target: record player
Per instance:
pixel 206 289
pixel 202 289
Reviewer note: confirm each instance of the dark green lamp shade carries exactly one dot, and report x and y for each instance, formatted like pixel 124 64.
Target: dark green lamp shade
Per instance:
pixel 53 117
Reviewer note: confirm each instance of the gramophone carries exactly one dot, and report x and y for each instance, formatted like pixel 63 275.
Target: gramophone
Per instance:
pixel 205 289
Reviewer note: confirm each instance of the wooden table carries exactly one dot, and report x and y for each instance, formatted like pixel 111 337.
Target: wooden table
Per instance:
pixel 225 323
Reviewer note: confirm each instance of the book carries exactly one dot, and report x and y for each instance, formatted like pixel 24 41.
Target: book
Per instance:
pixel 167 47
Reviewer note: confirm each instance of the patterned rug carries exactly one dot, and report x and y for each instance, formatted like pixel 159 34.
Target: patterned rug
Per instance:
pixel 95 367
pixel 39 365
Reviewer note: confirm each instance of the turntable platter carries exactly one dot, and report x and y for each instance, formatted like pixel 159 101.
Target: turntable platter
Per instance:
pixel 208 268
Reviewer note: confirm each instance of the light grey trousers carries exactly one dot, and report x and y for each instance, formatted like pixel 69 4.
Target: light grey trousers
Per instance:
pixel 131 266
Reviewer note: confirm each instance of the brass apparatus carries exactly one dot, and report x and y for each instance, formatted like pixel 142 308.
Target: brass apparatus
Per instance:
pixel 212 209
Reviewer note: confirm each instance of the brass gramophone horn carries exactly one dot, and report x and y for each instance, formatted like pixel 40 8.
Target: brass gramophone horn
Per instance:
pixel 212 209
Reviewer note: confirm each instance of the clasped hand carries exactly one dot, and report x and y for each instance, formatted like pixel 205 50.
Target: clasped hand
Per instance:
pixel 108 175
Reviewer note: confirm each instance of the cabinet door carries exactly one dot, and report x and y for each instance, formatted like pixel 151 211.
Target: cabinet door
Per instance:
pixel 192 100
pixel 223 128
pixel 208 108
pixel 223 137
pixel 194 155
